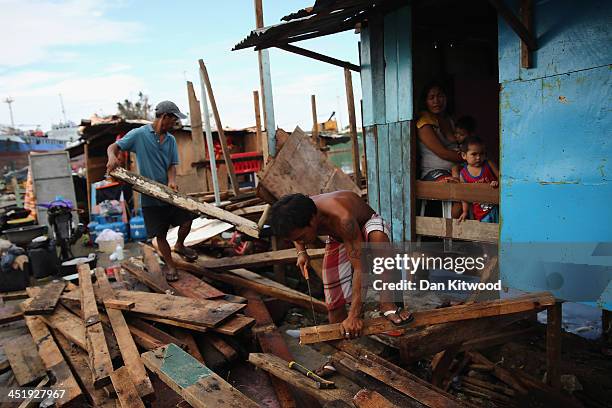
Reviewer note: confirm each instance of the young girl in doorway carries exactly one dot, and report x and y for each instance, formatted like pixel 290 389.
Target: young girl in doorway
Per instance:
pixel 478 169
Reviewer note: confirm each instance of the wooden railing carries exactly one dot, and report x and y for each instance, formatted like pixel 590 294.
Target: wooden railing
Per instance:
pixel 469 230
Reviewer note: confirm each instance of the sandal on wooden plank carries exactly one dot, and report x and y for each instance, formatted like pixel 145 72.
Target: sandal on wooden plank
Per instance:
pixel 190 255
pixel 397 312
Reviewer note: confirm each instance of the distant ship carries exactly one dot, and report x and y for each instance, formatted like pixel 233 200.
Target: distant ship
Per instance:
pixel 16 144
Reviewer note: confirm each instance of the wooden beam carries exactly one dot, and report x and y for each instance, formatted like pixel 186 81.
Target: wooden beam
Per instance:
pixel 165 194
pixel 479 193
pixel 22 354
pixel 9 314
pixel 315 121
pixel 270 341
pixel 554 321
pixel 350 102
pixel 526 11
pixel 222 347
pixel 280 369
pixel 15 295
pixel 125 388
pixel 78 361
pixel 97 349
pixel 244 278
pixel 260 259
pixel 47 298
pixel 153 268
pixel 499 372
pixel 319 57
pixel 129 352
pixel 517 25
pixel 470 230
pixel 220 132
pixel 147 335
pixel 193 381
pixel 54 362
pixel 118 304
pixel 316 334
pixel 190 344
pixel 261 136
pixel 195 119
pixel 395 377
pixel 371 399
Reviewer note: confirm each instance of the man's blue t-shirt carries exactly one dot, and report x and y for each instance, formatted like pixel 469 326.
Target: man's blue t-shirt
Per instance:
pixel 154 158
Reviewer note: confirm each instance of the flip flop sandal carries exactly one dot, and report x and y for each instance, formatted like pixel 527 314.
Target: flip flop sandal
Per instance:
pixel 397 312
pixel 188 254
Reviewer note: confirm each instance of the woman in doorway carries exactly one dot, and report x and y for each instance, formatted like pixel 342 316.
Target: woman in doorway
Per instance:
pixel 438 147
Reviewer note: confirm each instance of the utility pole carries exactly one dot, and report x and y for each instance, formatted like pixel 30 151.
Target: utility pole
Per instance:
pixel 9 101
pixel 265 81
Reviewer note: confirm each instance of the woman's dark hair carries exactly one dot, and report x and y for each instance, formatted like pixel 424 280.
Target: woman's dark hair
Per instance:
pixel 430 85
pixel 471 140
pixel 291 212
pixel 466 122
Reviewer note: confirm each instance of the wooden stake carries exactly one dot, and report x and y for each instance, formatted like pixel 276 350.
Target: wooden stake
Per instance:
pixel 220 132
pixel 350 101
pixel 260 135
pixel 553 345
pixel 315 121
pixel 125 388
pixel 195 117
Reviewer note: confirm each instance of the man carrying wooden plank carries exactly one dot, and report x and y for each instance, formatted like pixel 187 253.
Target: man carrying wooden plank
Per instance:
pixel 349 222
pixel 157 156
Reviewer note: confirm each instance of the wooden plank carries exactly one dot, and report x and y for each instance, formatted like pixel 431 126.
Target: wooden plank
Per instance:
pixel 554 319
pixel 497 339
pixel 244 278
pixel 190 344
pixel 15 295
pixel 384 173
pixel 23 357
pixel 220 132
pixel 154 279
pixel 195 119
pixel 319 57
pixel 371 139
pixel 261 139
pixel 97 349
pixel 4 366
pixel 260 259
pixel 147 335
pixel 408 154
pixel 31 402
pixel 196 383
pixel 280 369
pixel 517 25
pixel 222 347
pixel 443 361
pixel 207 313
pixel 236 324
pixel 192 287
pixel 371 399
pixel 46 300
pixel 396 377
pixel 529 302
pixel 397 182
pixel 78 361
pixel 479 193
pixel 129 352
pixel 10 314
pixel 315 121
pixel 301 167
pixel 54 362
pixel 500 372
pixel 270 341
pixel 526 11
pixel 125 388
pixel 165 194
pixel 471 230
pixel 118 304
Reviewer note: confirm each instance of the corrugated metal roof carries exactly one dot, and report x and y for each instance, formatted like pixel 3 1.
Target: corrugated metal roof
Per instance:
pixel 325 17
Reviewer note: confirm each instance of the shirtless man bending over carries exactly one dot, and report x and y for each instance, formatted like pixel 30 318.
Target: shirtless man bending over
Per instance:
pixel 349 222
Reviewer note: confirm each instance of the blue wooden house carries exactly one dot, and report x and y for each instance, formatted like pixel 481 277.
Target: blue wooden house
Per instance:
pixel 536 75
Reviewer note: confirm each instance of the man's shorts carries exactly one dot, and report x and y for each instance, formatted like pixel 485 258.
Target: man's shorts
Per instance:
pixel 337 268
pixel 158 219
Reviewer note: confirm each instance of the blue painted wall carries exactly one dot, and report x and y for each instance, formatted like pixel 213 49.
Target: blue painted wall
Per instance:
pixel 386 81
pixel 556 150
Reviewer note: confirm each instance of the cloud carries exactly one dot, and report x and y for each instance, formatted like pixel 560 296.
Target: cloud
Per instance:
pixel 35 29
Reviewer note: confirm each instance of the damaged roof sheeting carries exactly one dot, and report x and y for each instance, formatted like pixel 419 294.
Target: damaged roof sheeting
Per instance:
pixel 324 18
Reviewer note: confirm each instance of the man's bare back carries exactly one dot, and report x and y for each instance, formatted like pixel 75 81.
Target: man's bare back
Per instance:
pixel 339 212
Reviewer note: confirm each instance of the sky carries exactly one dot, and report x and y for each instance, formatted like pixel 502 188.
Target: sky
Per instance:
pixel 98 52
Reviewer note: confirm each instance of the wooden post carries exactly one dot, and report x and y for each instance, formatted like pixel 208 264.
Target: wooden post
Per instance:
pixel 222 140
pixel 261 137
pixel 315 122
pixel 87 177
pixel 209 142
pixel 350 102
pixel 135 194
pixel 195 117
pixel 265 81
pixel 553 344
pixel 527 18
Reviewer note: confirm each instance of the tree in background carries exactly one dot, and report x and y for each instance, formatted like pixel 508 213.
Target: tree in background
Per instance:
pixel 135 110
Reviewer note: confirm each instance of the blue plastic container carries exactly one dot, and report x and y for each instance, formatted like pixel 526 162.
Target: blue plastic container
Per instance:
pixel 91 227
pixel 138 232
